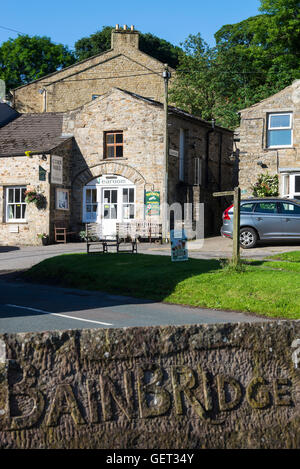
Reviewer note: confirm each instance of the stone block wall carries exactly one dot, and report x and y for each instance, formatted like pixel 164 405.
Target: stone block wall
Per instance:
pixel 124 66
pixel 225 386
pixel 24 171
pixel 253 138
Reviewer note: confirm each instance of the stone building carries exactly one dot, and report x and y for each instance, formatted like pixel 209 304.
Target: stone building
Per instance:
pixel 123 66
pixel 98 163
pixel 269 137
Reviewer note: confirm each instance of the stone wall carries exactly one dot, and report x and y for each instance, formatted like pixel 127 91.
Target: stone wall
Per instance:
pixel 124 66
pixel 253 138
pixel 24 171
pixel 190 387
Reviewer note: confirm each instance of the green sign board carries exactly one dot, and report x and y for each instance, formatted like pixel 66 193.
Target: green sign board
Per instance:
pixel 152 202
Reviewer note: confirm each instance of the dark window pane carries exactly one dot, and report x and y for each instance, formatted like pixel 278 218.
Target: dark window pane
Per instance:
pixel 18 211
pixel 106 196
pixel 119 151
pixel 10 195
pixel 114 196
pixel 17 195
pixel 23 210
pixel 110 152
pixel 119 138
pixel 23 194
pixel 125 196
pixel 106 212
pixel 131 211
pixel 110 138
pixel 297 183
pixel 131 195
pixel 266 207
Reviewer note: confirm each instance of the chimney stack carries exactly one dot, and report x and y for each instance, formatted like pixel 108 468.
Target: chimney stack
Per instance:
pixel 124 39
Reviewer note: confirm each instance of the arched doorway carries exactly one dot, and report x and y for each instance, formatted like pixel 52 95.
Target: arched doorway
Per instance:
pixel 108 200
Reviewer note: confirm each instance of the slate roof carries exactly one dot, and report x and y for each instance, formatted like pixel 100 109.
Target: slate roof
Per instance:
pixel 7 114
pixel 32 132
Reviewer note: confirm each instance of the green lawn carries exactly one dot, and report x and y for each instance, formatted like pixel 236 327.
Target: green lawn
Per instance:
pixel 268 288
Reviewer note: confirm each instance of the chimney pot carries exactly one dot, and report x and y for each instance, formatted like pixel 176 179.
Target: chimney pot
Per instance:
pixel 117 26
pixel 125 27
pixel 132 27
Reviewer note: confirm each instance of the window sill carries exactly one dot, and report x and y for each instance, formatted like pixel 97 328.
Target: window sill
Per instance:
pixel 287 147
pixel 17 222
pixel 115 159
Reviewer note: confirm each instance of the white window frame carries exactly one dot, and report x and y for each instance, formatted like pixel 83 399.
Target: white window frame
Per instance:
pixel 293 184
pixel 270 129
pixel 7 204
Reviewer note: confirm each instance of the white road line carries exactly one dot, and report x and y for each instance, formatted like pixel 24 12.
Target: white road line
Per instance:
pixel 60 315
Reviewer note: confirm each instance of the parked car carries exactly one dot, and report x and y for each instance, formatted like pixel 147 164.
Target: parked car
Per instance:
pixel 264 219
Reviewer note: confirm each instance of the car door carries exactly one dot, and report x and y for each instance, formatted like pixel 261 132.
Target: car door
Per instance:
pixel 291 219
pixel 268 220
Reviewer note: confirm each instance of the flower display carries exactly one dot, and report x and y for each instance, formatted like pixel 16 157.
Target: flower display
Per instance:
pixel 266 186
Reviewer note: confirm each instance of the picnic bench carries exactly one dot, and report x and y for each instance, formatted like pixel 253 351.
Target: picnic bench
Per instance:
pixel 97 242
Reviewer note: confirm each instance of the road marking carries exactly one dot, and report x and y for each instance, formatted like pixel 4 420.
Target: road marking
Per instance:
pixel 60 315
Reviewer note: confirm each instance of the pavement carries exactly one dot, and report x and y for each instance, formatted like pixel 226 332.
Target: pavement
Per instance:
pixel 14 258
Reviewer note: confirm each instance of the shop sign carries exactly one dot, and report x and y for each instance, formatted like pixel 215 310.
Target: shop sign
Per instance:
pixel 113 181
pixel 179 250
pixel 56 169
pixel 152 202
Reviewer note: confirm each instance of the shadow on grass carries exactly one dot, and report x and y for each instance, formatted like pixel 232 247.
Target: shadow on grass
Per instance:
pixel 137 275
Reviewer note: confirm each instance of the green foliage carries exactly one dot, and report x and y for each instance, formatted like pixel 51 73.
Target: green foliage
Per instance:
pixel 25 59
pixel 252 60
pixel 266 186
pixel 152 45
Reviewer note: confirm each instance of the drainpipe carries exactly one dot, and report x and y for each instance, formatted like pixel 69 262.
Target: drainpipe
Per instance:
pixel 207 151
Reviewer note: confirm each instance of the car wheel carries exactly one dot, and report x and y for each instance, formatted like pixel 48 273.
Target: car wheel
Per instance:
pixel 248 238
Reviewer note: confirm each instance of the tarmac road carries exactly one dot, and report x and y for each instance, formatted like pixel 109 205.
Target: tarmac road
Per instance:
pixel 26 307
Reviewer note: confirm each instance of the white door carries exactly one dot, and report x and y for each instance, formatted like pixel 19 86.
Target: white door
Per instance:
pixel 110 211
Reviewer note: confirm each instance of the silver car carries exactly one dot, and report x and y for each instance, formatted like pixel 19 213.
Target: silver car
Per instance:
pixel 264 219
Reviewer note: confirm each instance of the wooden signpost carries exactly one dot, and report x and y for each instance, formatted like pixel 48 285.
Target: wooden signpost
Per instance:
pixel 236 221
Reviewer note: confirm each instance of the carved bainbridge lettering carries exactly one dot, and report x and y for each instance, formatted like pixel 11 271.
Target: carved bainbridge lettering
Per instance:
pixel 154 391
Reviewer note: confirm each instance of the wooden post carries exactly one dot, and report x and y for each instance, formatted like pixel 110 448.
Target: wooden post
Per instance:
pixel 236 221
pixel 236 225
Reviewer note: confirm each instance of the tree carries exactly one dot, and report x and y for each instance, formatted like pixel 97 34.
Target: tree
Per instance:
pixel 252 60
pixel 101 41
pixel 25 59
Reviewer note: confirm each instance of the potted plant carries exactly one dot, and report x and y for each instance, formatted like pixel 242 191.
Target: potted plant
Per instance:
pixel 44 238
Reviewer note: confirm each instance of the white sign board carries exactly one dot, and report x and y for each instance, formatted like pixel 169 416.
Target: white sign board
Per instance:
pixel 56 169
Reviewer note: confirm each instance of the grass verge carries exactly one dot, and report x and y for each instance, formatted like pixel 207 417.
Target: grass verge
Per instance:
pixel 258 288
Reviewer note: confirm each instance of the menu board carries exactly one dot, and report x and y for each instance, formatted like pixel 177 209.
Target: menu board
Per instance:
pixel 179 251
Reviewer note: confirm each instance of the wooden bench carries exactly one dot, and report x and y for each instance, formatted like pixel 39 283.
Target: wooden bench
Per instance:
pixel 61 232
pixel 98 242
pixel 140 230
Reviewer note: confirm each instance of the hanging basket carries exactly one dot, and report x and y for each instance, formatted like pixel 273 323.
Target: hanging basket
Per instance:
pixel 33 197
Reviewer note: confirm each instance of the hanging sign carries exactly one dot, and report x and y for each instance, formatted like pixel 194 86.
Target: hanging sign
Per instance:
pixel 56 169
pixel 152 202
pixel 179 250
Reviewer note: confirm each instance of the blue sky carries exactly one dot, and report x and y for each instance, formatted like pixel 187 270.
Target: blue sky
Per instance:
pixel 66 21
